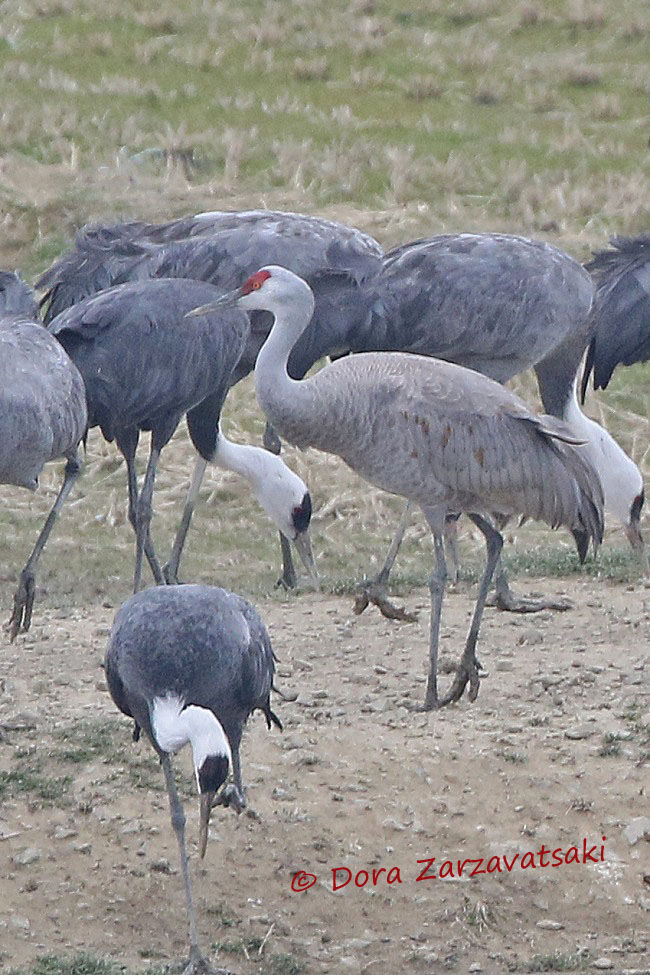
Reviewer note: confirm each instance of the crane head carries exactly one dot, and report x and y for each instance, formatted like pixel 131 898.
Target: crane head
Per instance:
pixel 272 288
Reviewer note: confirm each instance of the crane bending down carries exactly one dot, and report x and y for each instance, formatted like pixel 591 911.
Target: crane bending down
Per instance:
pixel 223 248
pixel 42 418
pixel 441 435
pixel 190 664
pixel 144 367
pixel 621 310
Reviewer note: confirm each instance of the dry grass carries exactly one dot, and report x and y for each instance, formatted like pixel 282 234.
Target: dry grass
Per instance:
pixel 520 117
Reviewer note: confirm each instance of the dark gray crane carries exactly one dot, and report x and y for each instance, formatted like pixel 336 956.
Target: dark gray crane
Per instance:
pixel 144 367
pixel 621 311
pixel 441 435
pixel 189 664
pixel 42 418
pixel 222 248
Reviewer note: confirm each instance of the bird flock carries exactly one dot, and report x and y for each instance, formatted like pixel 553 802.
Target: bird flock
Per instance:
pixel 140 325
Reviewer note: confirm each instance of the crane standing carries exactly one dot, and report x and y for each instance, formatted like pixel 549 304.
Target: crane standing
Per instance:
pixel 443 436
pixel 222 248
pixel 144 367
pixel 189 664
pixel 42 417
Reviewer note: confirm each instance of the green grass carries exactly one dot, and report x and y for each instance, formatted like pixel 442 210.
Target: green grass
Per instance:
pixel 558 962
pixel 84 964
pixel 28 778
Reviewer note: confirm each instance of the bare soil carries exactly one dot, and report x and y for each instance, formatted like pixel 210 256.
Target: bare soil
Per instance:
pixel 551 754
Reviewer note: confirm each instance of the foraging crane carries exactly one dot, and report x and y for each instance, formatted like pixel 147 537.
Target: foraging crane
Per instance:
pixel 42 418
pixel 190 664
pixel 436 433
pixel 144 368
pixel 621 311
pixel 222 248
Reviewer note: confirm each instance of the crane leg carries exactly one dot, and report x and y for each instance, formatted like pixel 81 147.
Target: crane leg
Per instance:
pixel 128 451
pixel 170 568
pixel 143 520
pixel 21 616
pixel 437 584
pixel 504 598
pixel 375 590
pixel 197 963
pixel 288 578
pixel 468 667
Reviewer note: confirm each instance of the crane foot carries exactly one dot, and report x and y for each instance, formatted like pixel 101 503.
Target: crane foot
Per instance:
pixel 376 594
pixel 21 617
pixel 231 796
pixel 467 672
pixel 198 965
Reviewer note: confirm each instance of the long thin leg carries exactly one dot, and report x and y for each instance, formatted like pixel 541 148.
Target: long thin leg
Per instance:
pixel 197 962
pixel 170 569
pixel 21 616
pixel 143 518
pixel 468 666
pixel 288 579
pixel 128 448
pixel 437 590
pixel 375 590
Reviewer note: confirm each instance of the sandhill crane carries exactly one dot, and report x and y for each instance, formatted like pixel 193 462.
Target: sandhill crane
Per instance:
pixel 190 664
pixel 144 367
pixel 441 435
pixel 499 304
pixel 42 418
pixel 621 310
pixel 222 248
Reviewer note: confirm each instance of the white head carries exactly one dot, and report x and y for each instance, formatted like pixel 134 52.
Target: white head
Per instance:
pixel 174 725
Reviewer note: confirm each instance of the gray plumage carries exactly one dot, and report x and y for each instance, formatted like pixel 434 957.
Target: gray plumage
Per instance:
pixel 189 664
pixel 222 248
pixel 205 645
pixel 436 433
pixel 42 417
pixel 145 366
pixel 17 299
pixel 621 312
pixel 219 247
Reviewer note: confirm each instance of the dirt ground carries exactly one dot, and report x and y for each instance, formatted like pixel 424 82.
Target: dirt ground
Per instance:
pixel 550 755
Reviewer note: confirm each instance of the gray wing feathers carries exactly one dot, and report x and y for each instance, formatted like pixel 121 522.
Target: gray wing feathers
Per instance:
pixel 441 434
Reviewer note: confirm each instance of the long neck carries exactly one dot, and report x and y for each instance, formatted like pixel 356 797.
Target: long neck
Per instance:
pixel 619 476
pixel 174 726
pixel 243 459
pixel 287 402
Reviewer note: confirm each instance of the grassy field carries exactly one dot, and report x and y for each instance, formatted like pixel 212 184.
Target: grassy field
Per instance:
pixel 405 120
pixel 475 115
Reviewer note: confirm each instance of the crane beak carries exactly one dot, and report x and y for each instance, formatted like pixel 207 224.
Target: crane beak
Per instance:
pixel 303 545
pixel 206 800
pixel 225 301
